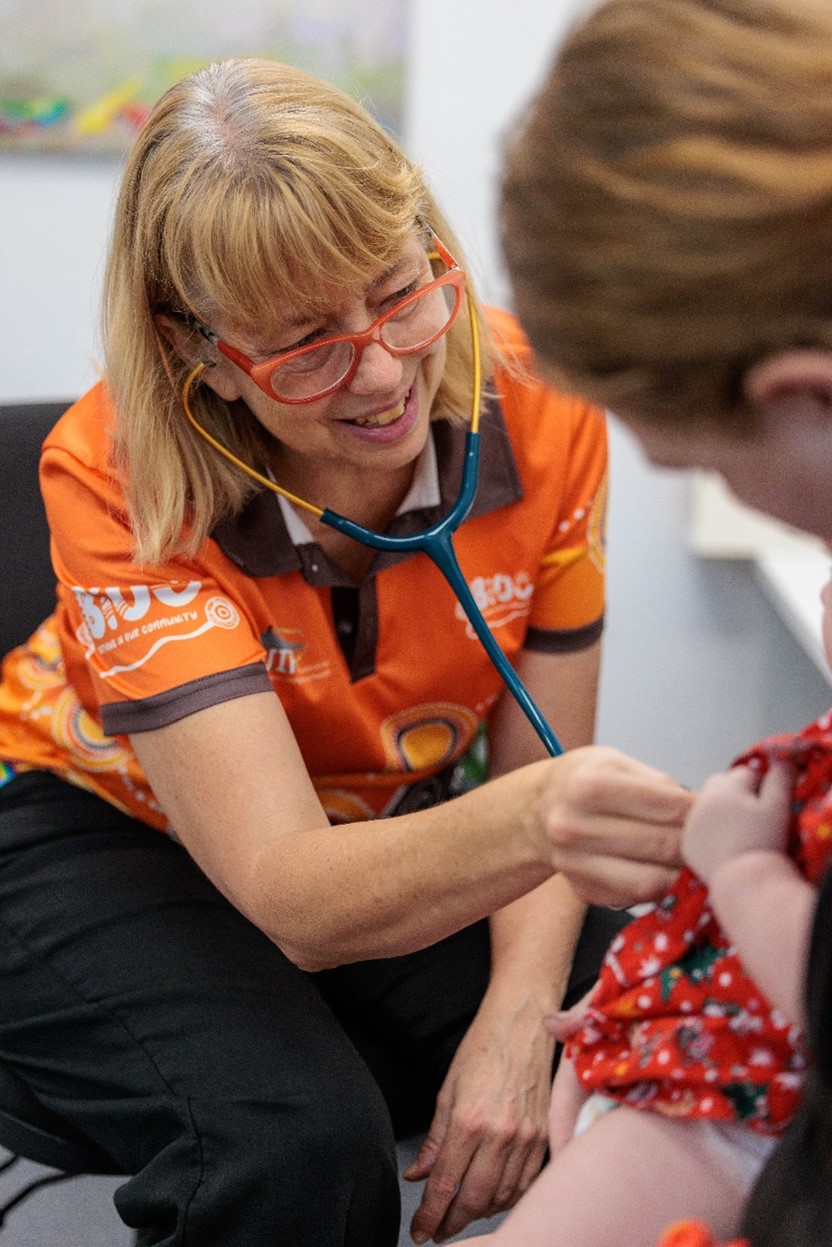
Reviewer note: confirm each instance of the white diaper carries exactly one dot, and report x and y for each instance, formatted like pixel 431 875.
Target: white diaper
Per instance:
pixel 733 1144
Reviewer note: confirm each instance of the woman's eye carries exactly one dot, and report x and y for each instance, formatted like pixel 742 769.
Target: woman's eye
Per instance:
pixel 398 295
pixel 306 340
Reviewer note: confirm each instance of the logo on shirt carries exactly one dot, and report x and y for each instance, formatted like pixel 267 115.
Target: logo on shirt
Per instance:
pixel 501 598
pixel 140 620
pixel 428 735
pixel 287 657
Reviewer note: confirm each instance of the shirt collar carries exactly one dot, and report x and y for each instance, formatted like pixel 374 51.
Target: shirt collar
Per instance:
pixel 269 538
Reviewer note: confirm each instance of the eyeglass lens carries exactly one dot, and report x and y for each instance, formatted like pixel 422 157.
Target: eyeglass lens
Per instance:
pixel 408 329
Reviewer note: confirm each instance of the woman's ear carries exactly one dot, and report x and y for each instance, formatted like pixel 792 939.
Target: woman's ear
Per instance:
pixel 193 349
pixel 798 381
pixel 183 340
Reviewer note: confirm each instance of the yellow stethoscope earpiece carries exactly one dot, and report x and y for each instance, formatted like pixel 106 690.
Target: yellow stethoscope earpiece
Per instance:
pixel 190 382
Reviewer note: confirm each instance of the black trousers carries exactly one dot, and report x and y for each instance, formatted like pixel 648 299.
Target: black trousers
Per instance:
pixel 251 1102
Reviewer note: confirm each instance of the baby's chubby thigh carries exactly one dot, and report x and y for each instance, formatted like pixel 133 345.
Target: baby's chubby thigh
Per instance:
pixel 629 1173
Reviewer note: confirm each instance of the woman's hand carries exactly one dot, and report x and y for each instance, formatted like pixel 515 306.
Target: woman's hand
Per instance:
pixel 737 812
pixel 613 825
pixel 488 1136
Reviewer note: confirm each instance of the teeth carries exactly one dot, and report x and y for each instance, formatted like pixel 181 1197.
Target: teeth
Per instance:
pixel 382 417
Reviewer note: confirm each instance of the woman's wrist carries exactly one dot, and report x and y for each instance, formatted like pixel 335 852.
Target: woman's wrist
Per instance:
pixel 542 993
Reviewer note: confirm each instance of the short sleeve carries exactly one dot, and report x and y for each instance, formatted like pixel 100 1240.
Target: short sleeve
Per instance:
pixel 129 633
pixel 568 605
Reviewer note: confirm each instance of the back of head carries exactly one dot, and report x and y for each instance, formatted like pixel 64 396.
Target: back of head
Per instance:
pixel 667 202
pixel 252 183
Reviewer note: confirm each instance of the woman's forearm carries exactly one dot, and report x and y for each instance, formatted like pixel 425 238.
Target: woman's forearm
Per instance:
pixel 328 895
pixel 533 942
pixel 237 793
pixel 336 894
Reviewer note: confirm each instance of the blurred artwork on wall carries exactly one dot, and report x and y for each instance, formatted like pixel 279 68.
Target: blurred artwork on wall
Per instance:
pixel 82 76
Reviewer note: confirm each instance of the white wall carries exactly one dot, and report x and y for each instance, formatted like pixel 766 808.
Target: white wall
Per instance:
pixel 697 664
pixel 54 221
pixel 473 68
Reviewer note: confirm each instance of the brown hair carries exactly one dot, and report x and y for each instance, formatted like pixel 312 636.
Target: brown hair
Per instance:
pixel 667 203
pixel 250 181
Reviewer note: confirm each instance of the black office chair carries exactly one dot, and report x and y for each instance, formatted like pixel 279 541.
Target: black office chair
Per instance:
pixel 27 582
pixel 27 591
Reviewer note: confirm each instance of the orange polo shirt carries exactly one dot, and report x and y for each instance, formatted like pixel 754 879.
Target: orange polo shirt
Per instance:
pixel 385 684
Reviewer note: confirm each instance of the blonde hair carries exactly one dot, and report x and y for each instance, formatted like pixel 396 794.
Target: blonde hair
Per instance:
pixel 251 181
pixel 667 204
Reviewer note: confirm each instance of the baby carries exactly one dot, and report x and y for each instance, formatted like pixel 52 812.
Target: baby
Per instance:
pixel 687 1061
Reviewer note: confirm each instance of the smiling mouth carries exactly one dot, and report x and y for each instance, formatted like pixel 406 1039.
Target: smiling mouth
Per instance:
pixel 381 418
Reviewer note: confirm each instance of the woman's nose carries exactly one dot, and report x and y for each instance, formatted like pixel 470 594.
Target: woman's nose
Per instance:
pixel 377 370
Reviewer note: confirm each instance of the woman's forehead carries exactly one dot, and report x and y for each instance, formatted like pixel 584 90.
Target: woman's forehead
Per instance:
pixel 313 294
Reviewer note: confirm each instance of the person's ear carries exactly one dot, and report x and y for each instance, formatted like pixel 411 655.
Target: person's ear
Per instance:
pixel 193 349
pixel 797 382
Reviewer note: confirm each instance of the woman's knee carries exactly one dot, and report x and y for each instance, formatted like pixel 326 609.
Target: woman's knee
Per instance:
pixel 319 1169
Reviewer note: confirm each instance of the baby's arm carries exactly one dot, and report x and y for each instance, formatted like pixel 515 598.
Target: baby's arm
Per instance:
pixel 734 839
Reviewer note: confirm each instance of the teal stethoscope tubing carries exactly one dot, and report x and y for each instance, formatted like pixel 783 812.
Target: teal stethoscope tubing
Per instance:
pixel 434 541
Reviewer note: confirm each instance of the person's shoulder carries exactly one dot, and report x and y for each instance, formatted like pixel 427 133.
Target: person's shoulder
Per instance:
pixel 519 384
pixel 85 430
pixel 507 334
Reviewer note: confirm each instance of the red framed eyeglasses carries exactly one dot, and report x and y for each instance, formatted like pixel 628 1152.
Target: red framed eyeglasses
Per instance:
pixel 309 372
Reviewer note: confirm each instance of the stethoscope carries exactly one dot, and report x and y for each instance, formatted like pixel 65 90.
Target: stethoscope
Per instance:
pixel 434 541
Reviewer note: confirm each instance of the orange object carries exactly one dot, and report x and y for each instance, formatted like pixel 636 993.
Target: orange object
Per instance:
pixel 694 1234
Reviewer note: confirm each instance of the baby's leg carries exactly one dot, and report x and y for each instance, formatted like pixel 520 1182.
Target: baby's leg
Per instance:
pixel 625 1178
pixel 568 1098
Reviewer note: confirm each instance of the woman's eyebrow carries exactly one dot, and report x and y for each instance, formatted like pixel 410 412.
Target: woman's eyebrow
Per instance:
pixel 304 318
pixel 390 271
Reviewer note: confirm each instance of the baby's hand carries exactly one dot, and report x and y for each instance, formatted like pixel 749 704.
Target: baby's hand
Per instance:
pixel 737 812
pixel 562 1026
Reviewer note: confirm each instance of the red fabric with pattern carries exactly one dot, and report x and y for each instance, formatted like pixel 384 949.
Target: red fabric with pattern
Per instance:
pixel 675 1024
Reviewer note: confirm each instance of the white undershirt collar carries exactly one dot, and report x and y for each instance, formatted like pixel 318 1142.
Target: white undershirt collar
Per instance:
pixel 423 493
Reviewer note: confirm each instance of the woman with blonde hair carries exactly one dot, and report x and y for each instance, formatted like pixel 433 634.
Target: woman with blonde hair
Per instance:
pixel 260 915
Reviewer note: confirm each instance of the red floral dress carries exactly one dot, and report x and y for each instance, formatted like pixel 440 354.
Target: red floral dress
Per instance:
pixel 675 1023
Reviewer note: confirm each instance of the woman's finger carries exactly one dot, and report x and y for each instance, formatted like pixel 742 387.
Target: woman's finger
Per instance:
pixel 618 884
